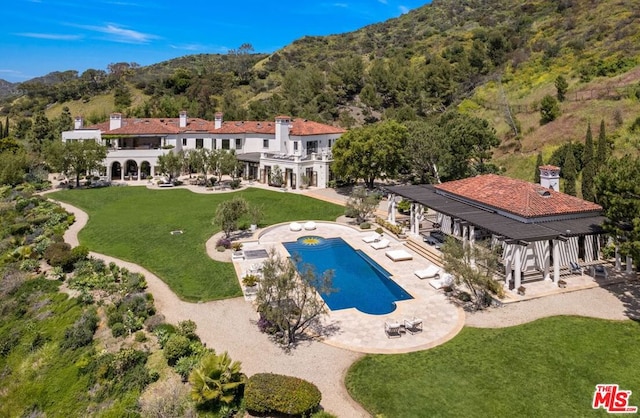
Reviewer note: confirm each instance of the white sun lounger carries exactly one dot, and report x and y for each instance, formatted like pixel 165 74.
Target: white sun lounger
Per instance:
pixel 399 255
pixel 383 243
pixel 428 273
pixel 372 238
pixel 444 280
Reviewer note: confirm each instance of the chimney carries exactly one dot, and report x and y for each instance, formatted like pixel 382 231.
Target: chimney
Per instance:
pixel 115 121
pixel 282 128
pixel 183 119
pixel 550 177
pixel 78 123
pixel 218 120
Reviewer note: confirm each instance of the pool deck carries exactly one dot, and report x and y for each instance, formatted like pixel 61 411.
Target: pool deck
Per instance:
pixel 353 330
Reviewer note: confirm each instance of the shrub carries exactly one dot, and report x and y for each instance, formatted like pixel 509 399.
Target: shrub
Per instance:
pixel 79 253
pixel 118 329
pixel 80 334
pixel 273 393
pixel 365 225
pixel 154 322
pixel 236 246
pixel 351 212
pixel 140 337
pixel 379 230
pixel 176 346
pixel 223 242
pixel 58 254
pixel 234 184
pixel 220 249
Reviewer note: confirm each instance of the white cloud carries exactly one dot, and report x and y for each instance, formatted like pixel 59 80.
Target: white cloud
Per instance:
pixel 343 5
pixel 120 34
pixel 382 1
pixel 188 47
pixel 404 9
pixel 50 36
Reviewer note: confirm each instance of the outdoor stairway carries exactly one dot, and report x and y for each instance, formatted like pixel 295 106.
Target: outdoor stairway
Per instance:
pixel 424 250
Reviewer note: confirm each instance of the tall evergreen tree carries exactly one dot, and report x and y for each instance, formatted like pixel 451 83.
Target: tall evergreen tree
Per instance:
pixel 6 128
pixel 589 170
pixel 1 131
pixel 570 172
pixel 601 152
pixel 561 88
pixel 536 173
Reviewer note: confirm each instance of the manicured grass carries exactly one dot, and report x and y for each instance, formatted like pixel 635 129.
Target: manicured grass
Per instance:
pixel 134 224
pixel 548 368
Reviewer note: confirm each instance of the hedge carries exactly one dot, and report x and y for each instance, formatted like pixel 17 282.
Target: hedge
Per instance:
pixel 274 393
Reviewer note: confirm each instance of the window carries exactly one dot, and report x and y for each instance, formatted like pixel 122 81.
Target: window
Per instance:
pixel 295 145
pixel 184 142
pixel 265 143
pixel 312 147
pixel 238 143
pixel 199 143
pixel 225 143
pixel 330 143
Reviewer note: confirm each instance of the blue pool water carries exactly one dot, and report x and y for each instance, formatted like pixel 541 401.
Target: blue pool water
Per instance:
pixel 358 281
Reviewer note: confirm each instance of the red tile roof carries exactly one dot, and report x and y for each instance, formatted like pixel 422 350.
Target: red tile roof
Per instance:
pixel 519 197
pixel 165 126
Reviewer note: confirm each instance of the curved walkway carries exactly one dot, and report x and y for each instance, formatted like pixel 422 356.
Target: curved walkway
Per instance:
pixel 229 325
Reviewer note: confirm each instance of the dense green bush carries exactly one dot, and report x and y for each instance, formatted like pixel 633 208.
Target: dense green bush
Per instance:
pixel 176 346
pixel 81 332
pixel 274 393
pixel 365 225
pixel 58 254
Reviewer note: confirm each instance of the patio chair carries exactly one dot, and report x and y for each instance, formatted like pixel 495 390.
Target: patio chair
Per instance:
pixel 575 268
pixel 599 271
pixel 413 325
pixel 383 243
pixel 375 237
pixel 428 273
pixel 309 226
pixel 295 226
pixel 392 328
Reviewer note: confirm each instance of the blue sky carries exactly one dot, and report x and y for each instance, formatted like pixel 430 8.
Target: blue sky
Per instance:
pixel 40 36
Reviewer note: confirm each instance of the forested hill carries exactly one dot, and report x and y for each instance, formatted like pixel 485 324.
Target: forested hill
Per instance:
pixel 495 59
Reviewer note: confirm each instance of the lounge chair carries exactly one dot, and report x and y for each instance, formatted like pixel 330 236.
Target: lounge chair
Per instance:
pixel 295 226
pixel 599 271
pixel 310 226
pixel 413 325
pixel 575 268
pixel 375 237
pixel 444 280
pixel 392 328
pixel 383 243
pixel 428 273
pixel 399 255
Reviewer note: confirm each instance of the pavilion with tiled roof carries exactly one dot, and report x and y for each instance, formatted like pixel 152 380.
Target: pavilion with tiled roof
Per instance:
pixel 540 229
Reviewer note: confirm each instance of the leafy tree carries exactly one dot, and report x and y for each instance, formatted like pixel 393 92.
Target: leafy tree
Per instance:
pixel 602 151
pixel 536 173
pixel 424 150
pixel 13 167
pixel 570 172
pixel 216 381
pixel 371 152
pixel 549 109
pixel 122 97
pixel 223 162
pixel 468 142
pixel 171 164
pixel 346 77
pixel 76 157
pixel 558 155
pixel 362 203
pixel 228 213
pixel 288 299
pixel 41 132
pixel 589 170
pixel 561 88
pixel 474 266
pixel 618 191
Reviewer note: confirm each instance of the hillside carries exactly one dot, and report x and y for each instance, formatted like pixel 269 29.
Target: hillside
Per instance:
pixel 480 56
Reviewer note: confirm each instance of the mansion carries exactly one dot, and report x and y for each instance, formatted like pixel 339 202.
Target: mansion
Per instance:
pixel 299 148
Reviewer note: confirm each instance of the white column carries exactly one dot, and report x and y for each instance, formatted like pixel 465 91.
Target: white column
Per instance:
pixel 546 259
pixel 507 272
pixel 629 265
pixel 465 234
pixel 556 261
pixel 518 266
pixel 618 260
pixel 412 217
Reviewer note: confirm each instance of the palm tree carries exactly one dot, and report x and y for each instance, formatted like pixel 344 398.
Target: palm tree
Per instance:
pixel 216 380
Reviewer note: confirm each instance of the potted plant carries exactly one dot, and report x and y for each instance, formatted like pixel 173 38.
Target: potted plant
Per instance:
pixel 250 283
pixel 255 213
pixel 522 290
pixel 562 284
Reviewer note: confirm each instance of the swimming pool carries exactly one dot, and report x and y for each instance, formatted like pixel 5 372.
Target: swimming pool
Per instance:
pixel 358 281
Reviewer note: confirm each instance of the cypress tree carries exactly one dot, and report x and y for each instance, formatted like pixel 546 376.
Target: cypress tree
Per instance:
pixel 536 175
pixel 601 152
pixel 570 172
pixel 1 131
pixel 6 128
pixel 589 170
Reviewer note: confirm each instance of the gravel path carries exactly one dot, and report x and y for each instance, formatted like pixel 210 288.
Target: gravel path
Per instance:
pixel 229 325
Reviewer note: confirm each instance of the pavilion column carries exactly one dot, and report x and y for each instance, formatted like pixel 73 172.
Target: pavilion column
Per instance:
pixel 556 261
pixel 518 266
pixel 507 272
pixel 122 170
pixel 465 233
pixel 108 172
pixel 629 265
pixel 412 217
pixel 391 208
pixel 618 260
pixel 546 259
pixel 139 171
pixel 472 241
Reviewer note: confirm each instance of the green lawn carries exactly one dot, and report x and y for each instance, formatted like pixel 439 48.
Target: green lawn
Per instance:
pixel 133 223
pixel 547 368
